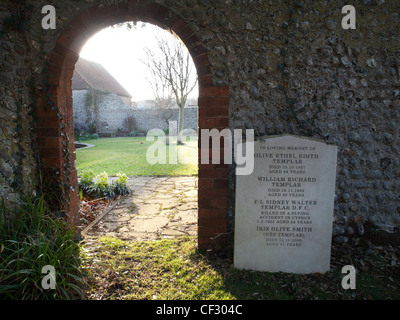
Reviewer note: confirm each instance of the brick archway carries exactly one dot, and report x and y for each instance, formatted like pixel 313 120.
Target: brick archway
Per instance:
pixel 55 125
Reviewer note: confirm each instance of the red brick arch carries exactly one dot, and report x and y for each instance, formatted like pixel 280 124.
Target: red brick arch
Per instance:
pixel 213 109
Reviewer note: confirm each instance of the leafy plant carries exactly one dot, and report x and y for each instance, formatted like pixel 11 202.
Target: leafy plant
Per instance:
pixel 122 178
pixel 86 182
pixel 31 238
pixel 102 180
pixel 87 177
pixel 102 188
pixel 120 186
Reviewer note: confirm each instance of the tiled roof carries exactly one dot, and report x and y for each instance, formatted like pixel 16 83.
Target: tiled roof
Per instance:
pixel 89 74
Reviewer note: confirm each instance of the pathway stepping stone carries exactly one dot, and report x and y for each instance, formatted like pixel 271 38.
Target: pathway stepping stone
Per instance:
pixel 159 207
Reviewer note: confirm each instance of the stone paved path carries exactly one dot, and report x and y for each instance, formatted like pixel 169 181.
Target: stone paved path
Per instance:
pixel 158 208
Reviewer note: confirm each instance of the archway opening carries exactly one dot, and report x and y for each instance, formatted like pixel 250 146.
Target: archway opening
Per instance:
pixel 131 85
pixel 56 123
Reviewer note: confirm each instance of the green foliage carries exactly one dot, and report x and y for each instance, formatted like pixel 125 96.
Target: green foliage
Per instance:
pixel 84 137
pixel 92 128
pixel 31 238
pixel 86 182
pixel 122 178
pixel 87 177
pixel 120 186
pixel 102 188
pixel 102 180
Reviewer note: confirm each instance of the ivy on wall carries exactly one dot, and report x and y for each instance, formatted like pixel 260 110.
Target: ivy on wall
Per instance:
pixel 15 102
pixel 93 99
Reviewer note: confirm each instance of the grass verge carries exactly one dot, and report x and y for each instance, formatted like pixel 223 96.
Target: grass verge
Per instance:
pixel 175 270
pixel 165 270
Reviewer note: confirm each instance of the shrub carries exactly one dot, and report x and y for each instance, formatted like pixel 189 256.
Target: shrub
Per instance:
pixel 31 238
pixel 102 180
pixel 92 128
pixel 87 177
pixel 79 130
pixel 122 178
pixel 86 182
pixel 102 188
pixel 129 123
pixel 85 137
pixel 120 186
pixel 93 136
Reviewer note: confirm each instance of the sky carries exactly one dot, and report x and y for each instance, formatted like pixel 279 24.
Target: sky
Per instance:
pixel 119 50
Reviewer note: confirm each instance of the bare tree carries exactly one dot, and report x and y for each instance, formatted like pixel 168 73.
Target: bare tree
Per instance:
pixel 164 108
pixel 171 71
pixel 163 101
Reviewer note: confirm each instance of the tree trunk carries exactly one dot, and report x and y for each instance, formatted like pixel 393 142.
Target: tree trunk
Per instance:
pixel 180 125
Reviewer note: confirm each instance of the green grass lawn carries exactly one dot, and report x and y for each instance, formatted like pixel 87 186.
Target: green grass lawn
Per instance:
pixel 173 269
pixel 128 155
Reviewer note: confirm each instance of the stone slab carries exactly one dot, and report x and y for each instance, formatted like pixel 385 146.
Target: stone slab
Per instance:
pixel 284 209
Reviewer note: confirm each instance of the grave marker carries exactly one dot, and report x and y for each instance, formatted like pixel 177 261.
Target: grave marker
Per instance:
pixel 284 209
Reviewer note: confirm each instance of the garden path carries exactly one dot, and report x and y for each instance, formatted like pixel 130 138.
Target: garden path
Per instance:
pixel 158 208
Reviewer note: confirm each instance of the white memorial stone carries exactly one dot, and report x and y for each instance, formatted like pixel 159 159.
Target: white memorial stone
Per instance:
pixel 284 209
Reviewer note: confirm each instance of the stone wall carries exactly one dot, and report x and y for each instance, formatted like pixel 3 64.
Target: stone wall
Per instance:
pixel 289 67
pixel 151 118
pixel 112 112
pixel 18 156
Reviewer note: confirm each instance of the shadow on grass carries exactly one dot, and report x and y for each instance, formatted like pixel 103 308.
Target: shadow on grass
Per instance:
pixel 174 269
pixel 377 276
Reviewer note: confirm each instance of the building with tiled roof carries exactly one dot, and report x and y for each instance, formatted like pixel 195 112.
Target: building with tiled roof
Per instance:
pixel 89 74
